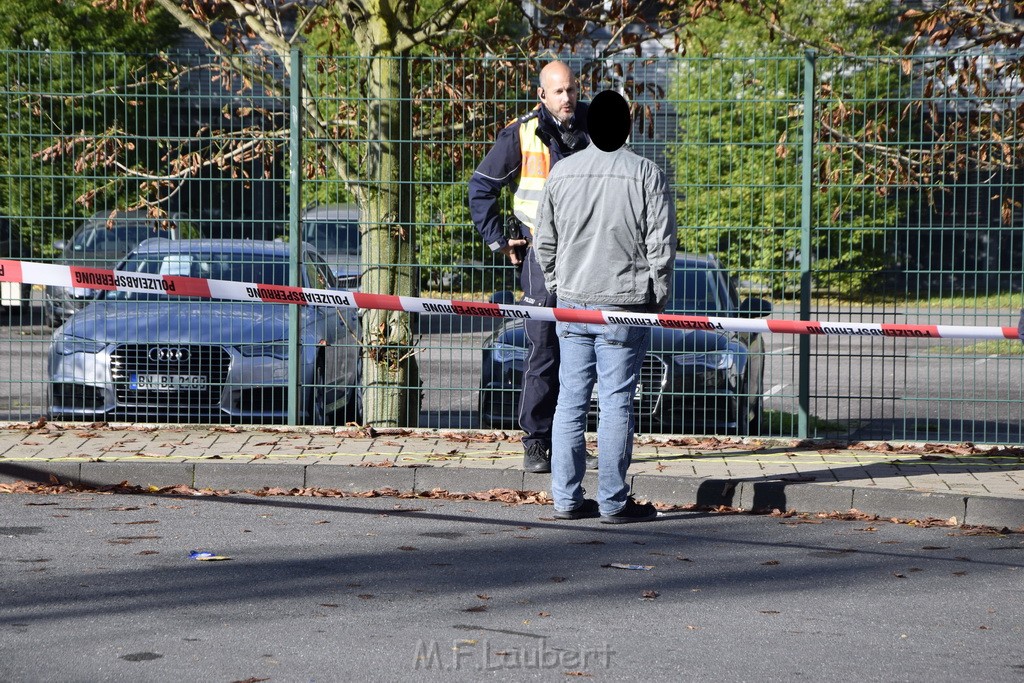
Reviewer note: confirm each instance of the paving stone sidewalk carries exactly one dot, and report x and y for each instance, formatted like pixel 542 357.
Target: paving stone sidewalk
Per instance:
pixel 976 485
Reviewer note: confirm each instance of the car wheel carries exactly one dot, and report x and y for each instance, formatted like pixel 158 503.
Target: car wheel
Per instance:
pixel 485 422
pixel 757 421
pixel 743 422
pixel 317 412
pixel 354 407
pixel 490 418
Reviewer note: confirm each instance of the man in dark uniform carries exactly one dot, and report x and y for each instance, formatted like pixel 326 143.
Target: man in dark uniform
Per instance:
pixel 521 157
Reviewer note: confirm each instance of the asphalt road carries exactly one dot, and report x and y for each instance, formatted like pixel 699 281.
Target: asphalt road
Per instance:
pixel 883 389
pixel 317 589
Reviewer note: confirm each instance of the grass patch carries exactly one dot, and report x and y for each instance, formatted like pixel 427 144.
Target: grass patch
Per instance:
pixel 778 423
pixel 988 347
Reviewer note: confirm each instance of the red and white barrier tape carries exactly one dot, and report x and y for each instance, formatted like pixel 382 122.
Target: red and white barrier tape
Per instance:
pixel 94 278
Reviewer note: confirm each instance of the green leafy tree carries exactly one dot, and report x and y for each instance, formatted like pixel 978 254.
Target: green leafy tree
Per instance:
pixel 739 157
pixel 60 49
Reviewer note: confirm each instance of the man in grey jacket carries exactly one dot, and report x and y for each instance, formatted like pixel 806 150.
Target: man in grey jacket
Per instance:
pixel 606 240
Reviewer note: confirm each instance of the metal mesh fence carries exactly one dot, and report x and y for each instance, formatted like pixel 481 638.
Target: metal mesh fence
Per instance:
pixel 855 189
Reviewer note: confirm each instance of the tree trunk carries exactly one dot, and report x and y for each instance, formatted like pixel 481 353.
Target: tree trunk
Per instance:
pixel 390 367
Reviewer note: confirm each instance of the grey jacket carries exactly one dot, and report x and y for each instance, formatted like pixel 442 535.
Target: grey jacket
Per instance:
pixel 606 230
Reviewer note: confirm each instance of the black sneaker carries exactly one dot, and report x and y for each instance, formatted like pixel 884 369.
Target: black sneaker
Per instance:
pixel 537 459
pixel 587 510
pixel 632 512
pixel 591 462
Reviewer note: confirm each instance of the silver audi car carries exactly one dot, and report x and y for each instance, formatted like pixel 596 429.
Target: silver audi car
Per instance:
pixel 156 357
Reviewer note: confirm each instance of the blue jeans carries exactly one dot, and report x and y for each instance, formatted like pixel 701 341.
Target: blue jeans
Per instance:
pixel 610 355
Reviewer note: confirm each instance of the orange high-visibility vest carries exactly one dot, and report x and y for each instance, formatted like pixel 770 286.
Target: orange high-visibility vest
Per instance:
pixel 532 174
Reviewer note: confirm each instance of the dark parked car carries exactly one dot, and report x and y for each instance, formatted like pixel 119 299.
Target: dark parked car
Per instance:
pixel 695 381
pixel 154 357
pixel 13 295
pixel 101 242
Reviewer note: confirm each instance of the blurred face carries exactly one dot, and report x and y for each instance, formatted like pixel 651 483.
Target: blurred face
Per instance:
pixel 557 91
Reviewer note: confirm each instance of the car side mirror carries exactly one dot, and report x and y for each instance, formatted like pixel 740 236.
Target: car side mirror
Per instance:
pixel 504 297
pixel 755 307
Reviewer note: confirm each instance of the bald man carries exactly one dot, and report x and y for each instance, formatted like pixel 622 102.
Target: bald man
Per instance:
pixel 521 158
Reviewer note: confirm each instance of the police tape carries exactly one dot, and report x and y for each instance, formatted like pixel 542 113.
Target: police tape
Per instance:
pixel 28 272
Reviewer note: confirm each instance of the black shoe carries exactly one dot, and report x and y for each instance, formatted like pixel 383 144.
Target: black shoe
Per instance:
pixel 537 459
pixel 632 512
pixel 591 462
pixel 587 510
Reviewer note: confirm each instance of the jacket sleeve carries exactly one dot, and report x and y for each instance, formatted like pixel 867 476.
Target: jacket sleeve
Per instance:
pixel 499 168
pixel 545 242
pixel 661 238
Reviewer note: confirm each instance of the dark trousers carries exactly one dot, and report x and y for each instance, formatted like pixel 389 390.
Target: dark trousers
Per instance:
pixel 539 396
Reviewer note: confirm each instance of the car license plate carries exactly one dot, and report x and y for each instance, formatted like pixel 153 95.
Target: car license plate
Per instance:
pixel 142 382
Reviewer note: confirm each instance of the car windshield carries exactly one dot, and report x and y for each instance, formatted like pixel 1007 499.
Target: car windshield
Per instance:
pixel 121 237
pixel 332 237
pixel 694 293
pixel 264 269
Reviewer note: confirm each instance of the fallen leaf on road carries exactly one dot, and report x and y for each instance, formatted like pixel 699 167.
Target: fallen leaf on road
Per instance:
pixel 633 567
pixel 478 608
pixel 649 595
pixel 141 521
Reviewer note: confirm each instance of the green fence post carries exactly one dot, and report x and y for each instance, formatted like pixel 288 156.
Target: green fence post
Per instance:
pixel 294 231
pixel 807 170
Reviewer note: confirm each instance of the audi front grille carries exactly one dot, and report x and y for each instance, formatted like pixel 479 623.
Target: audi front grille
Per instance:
pixel 653 375
pixel 169 375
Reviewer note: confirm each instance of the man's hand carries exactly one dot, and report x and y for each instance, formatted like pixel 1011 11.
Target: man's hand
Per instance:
pixel 512 250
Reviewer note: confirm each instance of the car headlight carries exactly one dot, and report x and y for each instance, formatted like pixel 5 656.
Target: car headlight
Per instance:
pixel 66 345
pixel 507 353
pixel 269 350
pixel 708 372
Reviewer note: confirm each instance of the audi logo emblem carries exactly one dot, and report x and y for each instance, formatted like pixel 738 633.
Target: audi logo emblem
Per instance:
pixel 173 354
